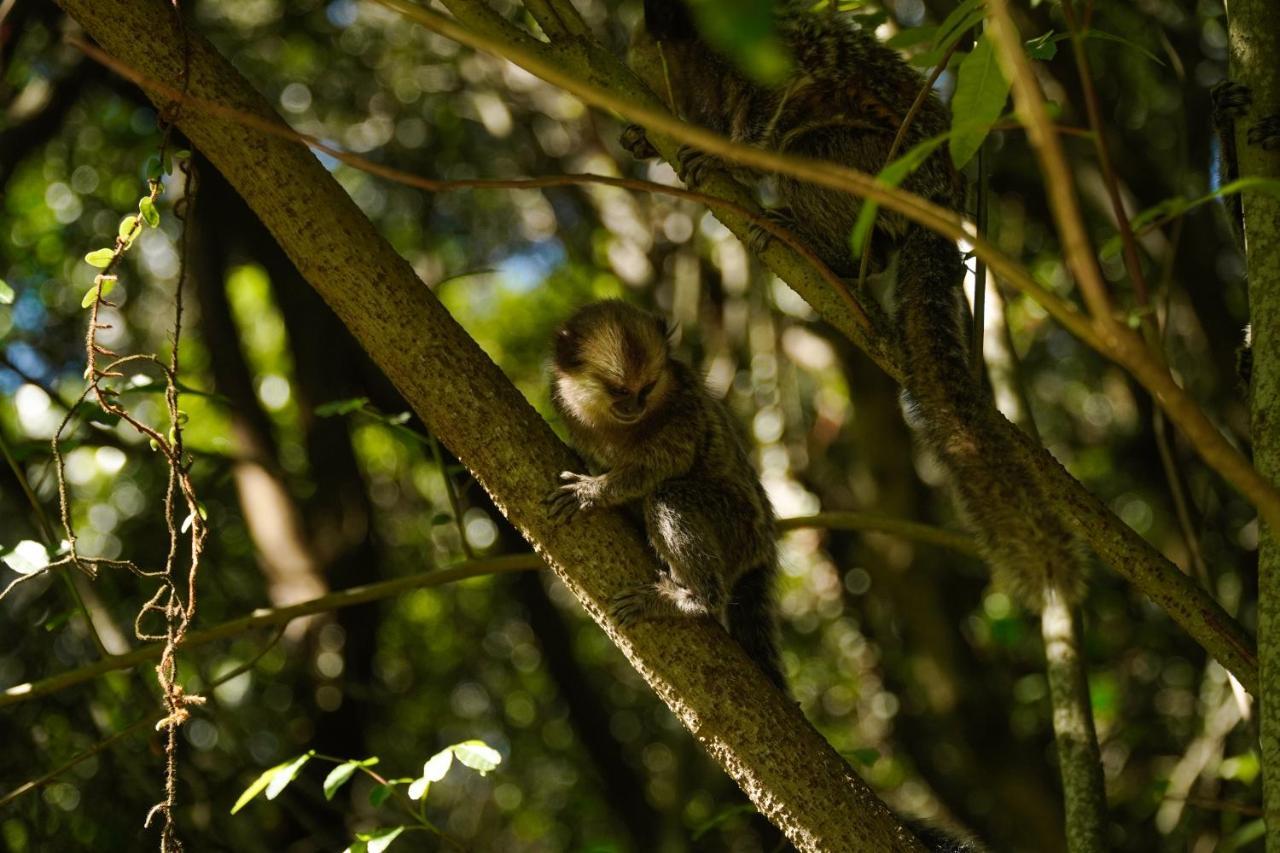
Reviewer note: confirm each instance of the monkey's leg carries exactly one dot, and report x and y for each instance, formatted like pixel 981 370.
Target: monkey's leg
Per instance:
pixel 687 543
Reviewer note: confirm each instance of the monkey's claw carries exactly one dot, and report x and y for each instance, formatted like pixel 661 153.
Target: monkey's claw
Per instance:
pixel 1231 99
pixel 692 164
pixel 633 139
pixel 628 608
pixel 759 237
pixel 1266 133
pixel 564 502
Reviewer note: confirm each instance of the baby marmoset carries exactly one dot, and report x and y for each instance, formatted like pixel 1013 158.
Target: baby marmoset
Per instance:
pixel 658 442
pixel 845 100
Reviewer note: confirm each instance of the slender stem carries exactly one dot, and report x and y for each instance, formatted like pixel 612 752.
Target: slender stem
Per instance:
pixel 1079 759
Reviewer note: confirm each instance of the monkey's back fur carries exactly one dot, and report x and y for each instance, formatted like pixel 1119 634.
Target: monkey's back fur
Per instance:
pixel 844 102
pixel 682 468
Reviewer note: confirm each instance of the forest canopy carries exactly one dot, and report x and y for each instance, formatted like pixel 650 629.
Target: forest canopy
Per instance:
pixel 280 286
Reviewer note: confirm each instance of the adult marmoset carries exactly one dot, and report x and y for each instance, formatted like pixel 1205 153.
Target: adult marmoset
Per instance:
pixel 659 443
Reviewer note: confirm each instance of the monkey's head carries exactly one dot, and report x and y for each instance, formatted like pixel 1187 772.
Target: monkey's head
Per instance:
pixel 612 365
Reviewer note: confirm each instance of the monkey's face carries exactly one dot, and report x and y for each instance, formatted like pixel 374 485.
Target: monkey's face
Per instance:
pixel 612 365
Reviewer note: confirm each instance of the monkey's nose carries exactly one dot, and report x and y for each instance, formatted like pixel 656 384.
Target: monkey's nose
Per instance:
pixel 628 408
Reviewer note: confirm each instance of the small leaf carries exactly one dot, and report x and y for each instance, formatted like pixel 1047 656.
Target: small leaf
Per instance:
pixel 6 293
pixel 893 175
pixel 100 258
pixel 379 840
pixel 440 518
pixel 182 154
pixel 108 284
pixel 1043 47
pixel 338 777
pixel 286 774
pixel 477 755
pixel 127 225
pixel 341 407
pixel 418 788
pixel 866 757
pixel 981 91
pixel 187 522
pixel 147 208
pixel 438 765
pixel 397 419
pixel 153 168
pixel 258 786
pixel 379 795
pixel 27 557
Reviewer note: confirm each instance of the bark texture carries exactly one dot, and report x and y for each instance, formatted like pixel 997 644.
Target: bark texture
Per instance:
pixel 753 731
pixel 1254 31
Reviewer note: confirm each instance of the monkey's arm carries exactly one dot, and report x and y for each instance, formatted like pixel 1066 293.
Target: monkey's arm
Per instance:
pixel 627 481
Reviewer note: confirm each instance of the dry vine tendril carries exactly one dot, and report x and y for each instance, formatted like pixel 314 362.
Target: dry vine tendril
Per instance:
pixel 174 599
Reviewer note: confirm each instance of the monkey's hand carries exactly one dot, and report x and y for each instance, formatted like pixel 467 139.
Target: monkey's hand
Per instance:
pixel 1266 133
pixel 692 165
pixel 759 237
pixel 579 492
pixel 634 140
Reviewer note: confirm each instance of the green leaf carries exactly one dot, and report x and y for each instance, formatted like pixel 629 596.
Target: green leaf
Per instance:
pixel 893 175
pixel 338 777
pixel 286 774
pixel 866 757
pixel 147 208
pixel 27 557
pixel 981 91
pixel 438 765
pixel 957 23
pixel 379 840
pixel 744 31
pixel 418 788
pixel 1043 47
pixel 477 755
pixel 108 283
pixel 1179 205
pixel 440 518
pixel 379 795
pixel 911 37
pixel 100 258
pixel 6 293
pixel 341 407
pixel 258 786
pixel 127 225
pixel 154 169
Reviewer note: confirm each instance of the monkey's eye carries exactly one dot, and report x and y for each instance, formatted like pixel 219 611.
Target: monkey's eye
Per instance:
pixel 616 391
pixel 647 390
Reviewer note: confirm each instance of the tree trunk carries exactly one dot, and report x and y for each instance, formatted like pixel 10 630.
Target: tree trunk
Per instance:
pixel 1254 32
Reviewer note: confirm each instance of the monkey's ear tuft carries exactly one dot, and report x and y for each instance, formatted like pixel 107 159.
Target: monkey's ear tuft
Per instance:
pixel 567 348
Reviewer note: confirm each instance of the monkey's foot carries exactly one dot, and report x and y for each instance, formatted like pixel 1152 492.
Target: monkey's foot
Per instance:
pixel 665 599
pixel 577 493
pixel 759 237
pixel 633 139
pixel 692 165
pixel 1231 99
pixel 1266 133
pixel 628 608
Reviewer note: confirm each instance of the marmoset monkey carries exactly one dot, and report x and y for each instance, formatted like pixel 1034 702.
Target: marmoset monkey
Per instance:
pixel 659 443
pixel 845 101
